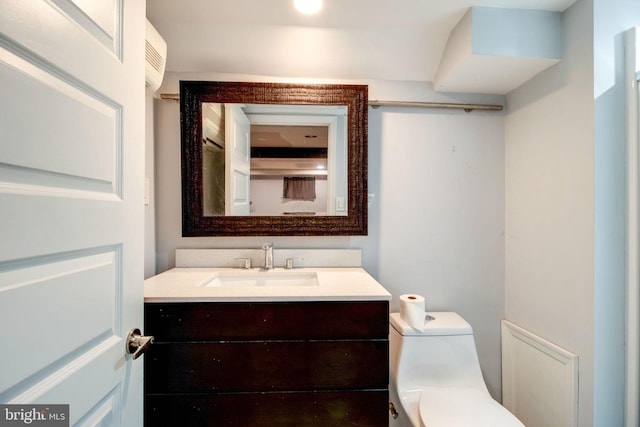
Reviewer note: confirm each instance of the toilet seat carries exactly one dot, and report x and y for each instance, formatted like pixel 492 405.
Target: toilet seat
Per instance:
pixel 459 407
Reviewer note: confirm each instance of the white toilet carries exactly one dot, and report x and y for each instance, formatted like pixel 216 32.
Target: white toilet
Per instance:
pixel 435 378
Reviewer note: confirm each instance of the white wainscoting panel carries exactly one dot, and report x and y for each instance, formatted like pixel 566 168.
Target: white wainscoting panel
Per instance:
pixel 539 379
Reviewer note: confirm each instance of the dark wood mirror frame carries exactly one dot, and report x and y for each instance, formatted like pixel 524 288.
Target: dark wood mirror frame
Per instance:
pixel 194 93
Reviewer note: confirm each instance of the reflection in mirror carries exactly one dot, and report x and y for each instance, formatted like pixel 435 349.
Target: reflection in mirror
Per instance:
pixel 270 140
pixel 295 162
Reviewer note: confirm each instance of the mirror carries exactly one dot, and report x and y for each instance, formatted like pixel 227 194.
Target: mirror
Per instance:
pixel 295 162
pixel 273 159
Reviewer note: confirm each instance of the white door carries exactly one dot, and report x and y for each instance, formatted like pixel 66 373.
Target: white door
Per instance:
pixel 71 205
pixel 238 161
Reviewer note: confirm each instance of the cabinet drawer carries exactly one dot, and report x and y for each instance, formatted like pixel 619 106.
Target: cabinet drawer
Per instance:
pixel 266 366
pixel 367 408
pixel 184 322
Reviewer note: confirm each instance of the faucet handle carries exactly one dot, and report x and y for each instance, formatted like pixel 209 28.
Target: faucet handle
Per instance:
pixel 247 262
pixel 289 264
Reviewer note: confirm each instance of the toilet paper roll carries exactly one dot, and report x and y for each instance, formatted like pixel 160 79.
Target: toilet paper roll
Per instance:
pixel 412 310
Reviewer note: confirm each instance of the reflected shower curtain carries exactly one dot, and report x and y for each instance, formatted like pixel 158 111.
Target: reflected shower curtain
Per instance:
pixel 299 188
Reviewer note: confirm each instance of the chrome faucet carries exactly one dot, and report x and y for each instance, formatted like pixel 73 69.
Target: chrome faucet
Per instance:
pixel 268 255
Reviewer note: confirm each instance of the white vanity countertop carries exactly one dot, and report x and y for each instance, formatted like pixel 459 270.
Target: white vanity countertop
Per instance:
pixel 334 284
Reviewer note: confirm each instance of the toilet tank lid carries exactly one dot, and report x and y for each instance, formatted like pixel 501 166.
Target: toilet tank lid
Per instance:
pixel 443 323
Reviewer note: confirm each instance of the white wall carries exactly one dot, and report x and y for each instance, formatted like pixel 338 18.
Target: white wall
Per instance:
pixel 565 169
pixel 266 197
pixel 550 203
pixel 435 223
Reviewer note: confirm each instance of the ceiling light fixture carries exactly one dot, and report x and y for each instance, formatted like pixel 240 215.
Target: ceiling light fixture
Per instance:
pixel 308 7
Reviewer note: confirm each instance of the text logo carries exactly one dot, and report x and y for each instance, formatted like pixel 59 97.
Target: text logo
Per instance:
pixel 34 415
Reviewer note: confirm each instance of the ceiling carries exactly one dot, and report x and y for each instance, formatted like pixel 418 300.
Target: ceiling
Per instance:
pixel 289 136
pixel 347 39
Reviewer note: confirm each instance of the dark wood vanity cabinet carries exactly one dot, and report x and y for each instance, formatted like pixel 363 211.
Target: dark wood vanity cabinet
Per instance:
pixel 270 364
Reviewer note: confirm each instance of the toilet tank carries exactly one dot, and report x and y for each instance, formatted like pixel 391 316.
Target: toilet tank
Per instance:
pixel 443 355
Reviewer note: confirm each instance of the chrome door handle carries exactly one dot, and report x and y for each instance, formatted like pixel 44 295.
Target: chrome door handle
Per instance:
pixel 137 343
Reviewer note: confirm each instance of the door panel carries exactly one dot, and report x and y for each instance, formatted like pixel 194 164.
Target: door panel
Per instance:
pixel 68 120
pixel 88 278
pixel 71 197
pixel 238 160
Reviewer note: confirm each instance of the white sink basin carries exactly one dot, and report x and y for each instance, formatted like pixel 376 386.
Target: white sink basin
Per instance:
pixel 262 278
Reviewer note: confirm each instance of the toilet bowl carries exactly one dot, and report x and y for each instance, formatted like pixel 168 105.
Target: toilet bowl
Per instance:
pixel 435 378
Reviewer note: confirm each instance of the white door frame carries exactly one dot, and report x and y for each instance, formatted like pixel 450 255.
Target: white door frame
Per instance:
pixel 632 76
